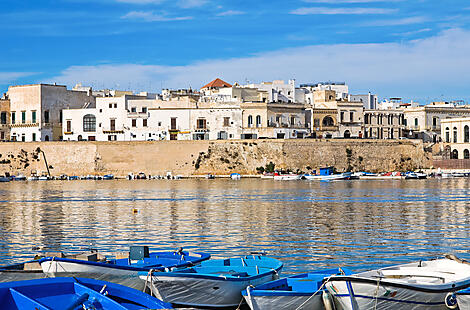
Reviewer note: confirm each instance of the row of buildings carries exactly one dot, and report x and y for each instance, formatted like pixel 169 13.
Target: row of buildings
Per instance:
pixel 219 110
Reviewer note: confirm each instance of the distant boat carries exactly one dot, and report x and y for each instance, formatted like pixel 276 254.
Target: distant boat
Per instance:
pixel 331 177
pixel 267 176
pixel 286 177
pixel 424 285
pixel 108 177
pixel 411 176
pixel 302 291
pixel 210 176
pixel 120 270
pixel 213 283
pixel 235 176
pixel 19 177
pixel 73 178
pixel 73 294
pixel 5 179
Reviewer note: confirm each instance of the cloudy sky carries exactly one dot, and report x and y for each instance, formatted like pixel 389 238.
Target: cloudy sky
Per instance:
pixel 417 49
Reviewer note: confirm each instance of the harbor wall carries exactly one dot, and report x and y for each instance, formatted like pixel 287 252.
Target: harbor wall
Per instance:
pixel 217 157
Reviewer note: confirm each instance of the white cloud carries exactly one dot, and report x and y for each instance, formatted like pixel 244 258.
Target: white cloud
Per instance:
pixel 342 11
pixel 9 77
pixel 410 33
pixel 142 1
pixel 398 22
pixel 426 67
pixel 149 16
pixel 230 13
pixel 186 4
pixel 348 1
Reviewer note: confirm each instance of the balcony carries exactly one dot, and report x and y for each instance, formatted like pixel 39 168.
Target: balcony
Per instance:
pixel 113 131
pixel 19 125
pixel 137 114
pixel 201 129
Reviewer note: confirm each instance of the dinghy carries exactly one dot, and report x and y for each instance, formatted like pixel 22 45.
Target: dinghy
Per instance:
pixel 213 283
pixel 73 294
pixel 331 177
pixel 120 270
pixel 23 271
pixel 419 286
pixel 303 291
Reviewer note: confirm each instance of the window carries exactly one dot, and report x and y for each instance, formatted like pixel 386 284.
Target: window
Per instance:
pixel 69 126
pixel 89 123
pixel 434 122
pixel 110 105
pixel 144 122
pixel 341 117
pixel 33 117
pixel 351 116
pixel 133 109
pixel 328 121
pixel 250 121
pixel 226 121
pixel 23 137
pixel 34 137
pixel 466 134
pixel 447 135
pixel 201 123
pixel 23 117
pixel 466 154
pixel 366 119
pixel 46 116
pixel 258 120
pixel 172 123
pixel 222 135
pixel 292 120
pixel 454 154
pixel 3 118
pixel 316 122
pixel 112 137
pixel 416 122
pixel 13 117
pixel 159 123
pixel 115 105
pixel 112 124
pixel 455 134
pixel 144 109
pixel 60 116
pixel 134 123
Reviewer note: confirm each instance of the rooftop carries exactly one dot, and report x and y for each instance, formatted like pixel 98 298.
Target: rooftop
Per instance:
pixel 217 83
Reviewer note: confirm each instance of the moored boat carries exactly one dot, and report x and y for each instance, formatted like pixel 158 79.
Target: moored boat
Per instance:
pixel 331 177
pixel 302 291
pixel 122 270
pixel 213 283
pixel 74 294
pixel 287 176
pixel 235 176
pixel 424 285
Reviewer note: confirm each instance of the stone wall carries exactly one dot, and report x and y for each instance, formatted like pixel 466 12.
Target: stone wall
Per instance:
pixel 202 157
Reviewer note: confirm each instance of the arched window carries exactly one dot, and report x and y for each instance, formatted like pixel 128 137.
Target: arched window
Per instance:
pixel 46 138
pixel 79 138
pixel 347 134
pixel 328 121
pixel 455 134
pixel 466 134
pixel 466 154
pixel 454 154
pixel 416 122
pixel 89 123
pixel 250 121
pixel 258 120
pixel 447 135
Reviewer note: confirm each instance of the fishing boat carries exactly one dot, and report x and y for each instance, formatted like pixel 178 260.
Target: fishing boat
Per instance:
pixel 331 177
pixel 213 283
pixel 108 177
pixel 423 285
pixel 21 271
pixel 235 176
pixel 302 291
pixel 462 297
pixel 121 270
pixel 74 294
pixel 268 175
pixel 5 179
pixel 411 176
pixel 286 176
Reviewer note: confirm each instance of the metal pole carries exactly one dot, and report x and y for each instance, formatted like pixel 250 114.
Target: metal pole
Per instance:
pixel 45 160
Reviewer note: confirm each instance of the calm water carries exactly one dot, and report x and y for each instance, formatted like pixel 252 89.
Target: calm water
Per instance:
pixel 308 225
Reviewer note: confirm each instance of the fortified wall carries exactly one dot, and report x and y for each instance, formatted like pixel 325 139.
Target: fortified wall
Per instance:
pixel 202 157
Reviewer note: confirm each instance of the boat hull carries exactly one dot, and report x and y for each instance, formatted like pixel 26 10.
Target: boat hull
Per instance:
pixel 203 291
pixel 351 295
pixel 129 278
pixel 287 177
pixel 285 302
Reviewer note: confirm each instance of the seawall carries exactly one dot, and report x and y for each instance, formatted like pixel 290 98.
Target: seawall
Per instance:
pixel 216 157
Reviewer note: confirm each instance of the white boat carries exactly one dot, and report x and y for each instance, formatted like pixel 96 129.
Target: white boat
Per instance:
pixel 287 177
pixel 331 177
pixel 268 176
pixel 213 283
pixel 235 176
pixel 423 285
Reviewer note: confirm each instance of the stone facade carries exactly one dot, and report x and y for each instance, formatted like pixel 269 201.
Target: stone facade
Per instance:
pixel 455 134
pixel 383 124
pixel 4 120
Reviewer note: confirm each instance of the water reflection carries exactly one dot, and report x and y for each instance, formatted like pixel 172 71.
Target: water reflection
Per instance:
pixel 306 224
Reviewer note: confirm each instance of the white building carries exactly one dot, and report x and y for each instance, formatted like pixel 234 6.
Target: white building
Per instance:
pixel 340 88
pixel 369 101
pixel 279 91
pixel 36 110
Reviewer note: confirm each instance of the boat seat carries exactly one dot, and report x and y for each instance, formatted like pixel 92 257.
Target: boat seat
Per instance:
pixel 403 273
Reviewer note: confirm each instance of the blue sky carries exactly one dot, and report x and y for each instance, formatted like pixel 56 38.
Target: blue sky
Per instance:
pixel 414 49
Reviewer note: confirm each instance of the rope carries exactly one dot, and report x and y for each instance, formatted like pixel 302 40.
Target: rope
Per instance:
pixel 249 296
pixel 377 293
pixel 149 274
pixel 50 265
pixel 321 287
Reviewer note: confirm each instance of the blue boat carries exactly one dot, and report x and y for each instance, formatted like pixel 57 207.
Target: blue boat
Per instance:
pixel 108 177
pixel 120 270
pixel 74 294
pixel 302 291
pixel 213 283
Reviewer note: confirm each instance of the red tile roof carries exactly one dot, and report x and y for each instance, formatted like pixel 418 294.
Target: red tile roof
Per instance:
pixel 217 83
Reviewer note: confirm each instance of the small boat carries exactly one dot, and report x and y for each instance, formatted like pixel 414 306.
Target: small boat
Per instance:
pixel 411 176
pixel 21 271
pixel 74 294
pixel 331 177
pixel 108 177
pixel 5 179
pixel 267 176
pixel 303 291
pixel 73 178
pixel 235 176
pixel 286 176
pixel 421 175
pixel 463 299
pixel 425 285
pixel 121 270
pixel 19 177
pixel 213 283
pixel 210 176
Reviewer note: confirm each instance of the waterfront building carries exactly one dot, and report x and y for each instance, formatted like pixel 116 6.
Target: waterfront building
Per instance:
pixel 383 124
pixel 4 119
pixel 329 117
pixel 36 110
pixel 369 100
pixel 424 122
pixel 340 88
pixel 455 133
